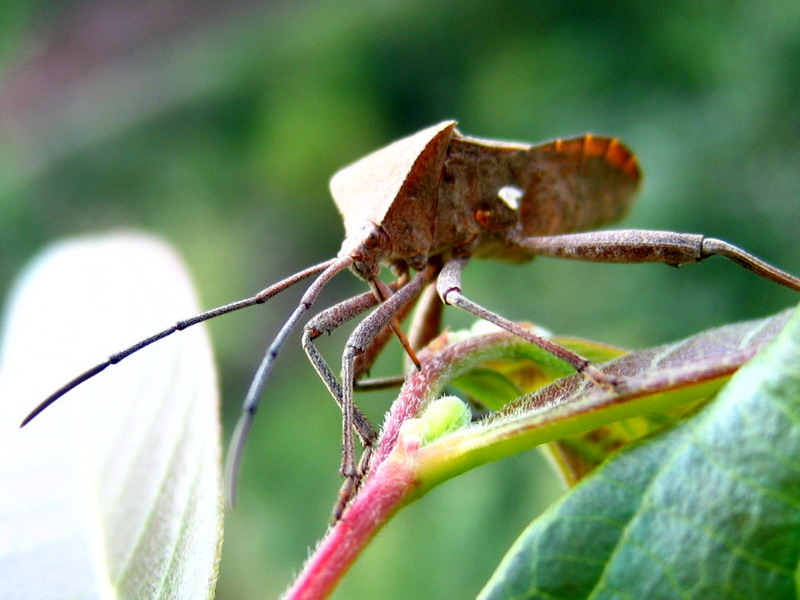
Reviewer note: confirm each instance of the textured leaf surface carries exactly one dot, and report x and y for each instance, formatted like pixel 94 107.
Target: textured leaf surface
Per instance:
pixel 409 461
pixel 524 368
pixel 113 492
pixel 707 509
pixel 655 381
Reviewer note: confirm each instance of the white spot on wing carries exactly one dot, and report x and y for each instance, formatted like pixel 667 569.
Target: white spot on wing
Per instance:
pixel 510 195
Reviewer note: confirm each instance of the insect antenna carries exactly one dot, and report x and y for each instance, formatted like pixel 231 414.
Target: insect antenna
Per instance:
pixel 259 298
pixel 242 430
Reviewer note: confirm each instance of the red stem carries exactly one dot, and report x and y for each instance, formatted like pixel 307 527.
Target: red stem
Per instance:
pixel 381 495
pixel 392 478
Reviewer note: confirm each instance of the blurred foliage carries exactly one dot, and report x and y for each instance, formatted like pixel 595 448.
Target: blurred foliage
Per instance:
pixel 217 126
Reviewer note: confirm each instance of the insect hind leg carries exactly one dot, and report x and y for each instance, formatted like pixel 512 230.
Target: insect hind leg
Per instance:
pixel 645 245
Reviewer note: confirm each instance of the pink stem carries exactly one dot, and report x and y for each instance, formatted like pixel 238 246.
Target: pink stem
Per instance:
pixel 381 495
pixel 392 477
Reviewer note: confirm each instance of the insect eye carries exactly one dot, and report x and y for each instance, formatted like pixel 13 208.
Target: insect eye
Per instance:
pixel 484 218
pixel 376 238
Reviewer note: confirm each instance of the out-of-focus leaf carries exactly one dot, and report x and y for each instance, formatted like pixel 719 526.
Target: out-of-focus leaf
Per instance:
pixel 708 509
pixel 114 491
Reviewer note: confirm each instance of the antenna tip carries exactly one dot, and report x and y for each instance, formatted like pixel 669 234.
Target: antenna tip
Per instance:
pixel 31 416
pixel 233 460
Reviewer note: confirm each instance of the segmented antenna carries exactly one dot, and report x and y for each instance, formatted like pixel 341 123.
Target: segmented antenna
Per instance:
pixel 259 298
pixel 242 431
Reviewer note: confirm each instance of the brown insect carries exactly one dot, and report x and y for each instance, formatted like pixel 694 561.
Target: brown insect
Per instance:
pixel 424 206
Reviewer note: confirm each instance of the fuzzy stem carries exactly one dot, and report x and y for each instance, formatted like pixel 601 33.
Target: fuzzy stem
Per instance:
pixel 393 479
pixel 382 494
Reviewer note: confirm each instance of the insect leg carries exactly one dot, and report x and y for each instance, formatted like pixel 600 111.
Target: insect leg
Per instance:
pixel 358 341
pixel 427 321
pixel 642 245
pixel 424 328
pixel 366 359
pixel 326 322
pixel 236 447
pixel 382 292
pixel 259 298
pixel 449 287
pixel 331 318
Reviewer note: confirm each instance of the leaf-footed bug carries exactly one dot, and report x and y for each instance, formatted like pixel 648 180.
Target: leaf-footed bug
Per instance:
pixel 424 206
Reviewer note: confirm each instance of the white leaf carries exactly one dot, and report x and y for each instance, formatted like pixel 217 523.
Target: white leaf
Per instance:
pixel 114 491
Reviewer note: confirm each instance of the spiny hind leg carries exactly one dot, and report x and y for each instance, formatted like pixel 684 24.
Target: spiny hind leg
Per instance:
pixel 644 245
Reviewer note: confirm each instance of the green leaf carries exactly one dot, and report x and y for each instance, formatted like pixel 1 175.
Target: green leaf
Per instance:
pixel 707 509
pixel 654 381
pixel 523 369
pixel 114 491
pixel 409 462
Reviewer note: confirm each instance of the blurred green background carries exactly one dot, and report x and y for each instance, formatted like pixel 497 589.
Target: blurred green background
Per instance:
pixel 217 125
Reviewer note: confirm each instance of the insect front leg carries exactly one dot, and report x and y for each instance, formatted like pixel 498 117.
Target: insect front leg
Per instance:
pixel 643 245
pixel 365 360
pixel 326 322
pixel 330 319
pixel 449 287
pixel 357 343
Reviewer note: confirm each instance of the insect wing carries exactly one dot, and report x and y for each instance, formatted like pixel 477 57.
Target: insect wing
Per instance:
pixel 577 184
pixel 365 190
